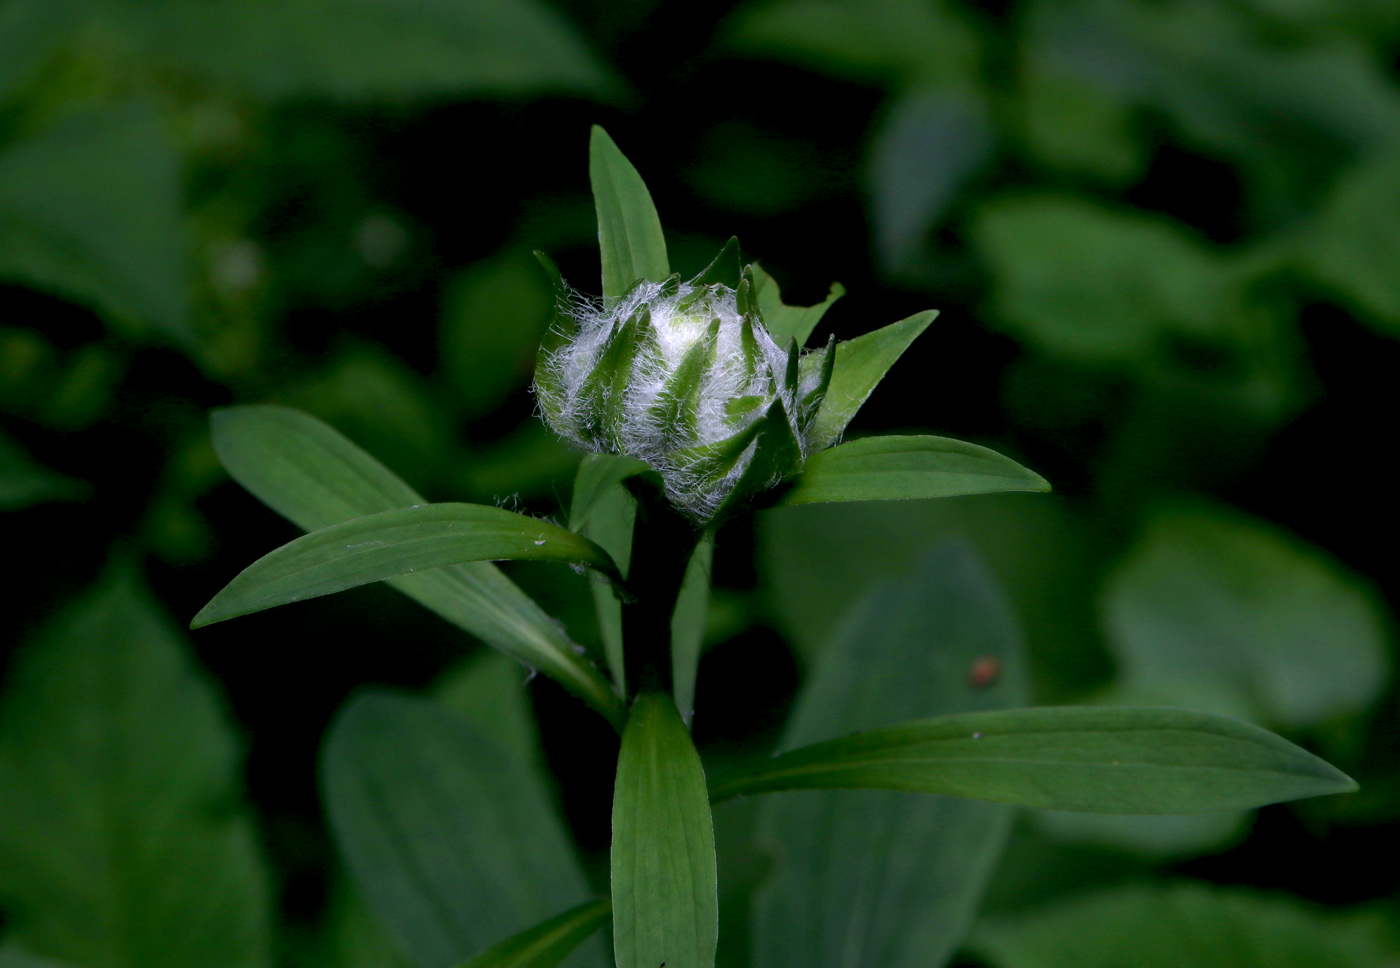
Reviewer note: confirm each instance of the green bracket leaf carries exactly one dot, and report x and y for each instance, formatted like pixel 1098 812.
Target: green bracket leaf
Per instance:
pixel 789 322
pixel 860 365
pixel 903 468
pixel 1097 760
pixel 629 230
pixel 688 624
pixel 664 891
pixel 315 477
pixel 547 944
pixel 393 543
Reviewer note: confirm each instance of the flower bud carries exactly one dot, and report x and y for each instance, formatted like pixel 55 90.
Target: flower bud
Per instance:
pixel 684 376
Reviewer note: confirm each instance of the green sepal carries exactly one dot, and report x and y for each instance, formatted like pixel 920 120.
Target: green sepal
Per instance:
pixel 783 321
pixel 745 294
pixel 711 462
pixel 560 331
pixel 670 286
pixel 777 457
pixel 808 406
pixel 725 270
pixel 793 373
pixel 605 389
pixel 676 405
pixel 739 406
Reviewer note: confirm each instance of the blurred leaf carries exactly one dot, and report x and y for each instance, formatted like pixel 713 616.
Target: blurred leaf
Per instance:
pixel 24 481
pixel 861 364
pixel 547 944
pixel 394 543
pixel 29 30
pixel 927 146
pixel 1354 247
pixel 755 171
pixel 493 317
pixel 14 957
pixel 1183 924
pixel 1079 281
pixel 488 690
pixel 356 939
pixel 368 49
pixel 629 231
pixel 316 478
pixel 530 460
pixel 1216 612
pixel 1073 125
pixel 90 208
pixel 453 842
pixel 882 879
pixel 902 468
pixel 122 839
pixel 890 41
pixel 786 323
pixel 665 906
pixel 688 624
pixel 1155 838
pixel 1100 760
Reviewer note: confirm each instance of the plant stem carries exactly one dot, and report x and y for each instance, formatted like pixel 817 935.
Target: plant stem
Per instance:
pixel 662 542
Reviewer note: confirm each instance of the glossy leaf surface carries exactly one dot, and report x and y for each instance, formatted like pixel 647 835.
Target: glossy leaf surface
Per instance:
pixel 452 839
pixel 123 839
pixel 664 893
pixel 904 468
pixel 875 878
pixel 312 475
pixel 547 944
pixel 629 230
pixel 860 365
pixel 1100 760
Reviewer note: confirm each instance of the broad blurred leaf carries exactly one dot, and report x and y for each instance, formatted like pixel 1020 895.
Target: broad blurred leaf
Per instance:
pixel 927 146
pixel 452 840
pixel 861 364
pixel 12 956
pixel 394 543
pixel 488 690
pixel 688 624
pixel 1354 247
pixel 784 322
pixel 122 840
pixel 1074 125
pixel 1216 612
pixel 492 319
pixel 368 48
pixel 874 879
pixel 90 209
pixel 24 481
pixel 547 944
pixel 316 478
pixel 1184 924
pixel 890 41
pixel 629 231
pixel 665 906
pixel 902 468
pixel 1100 760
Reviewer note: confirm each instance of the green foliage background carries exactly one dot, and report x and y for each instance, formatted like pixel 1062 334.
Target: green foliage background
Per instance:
pixel 1164 238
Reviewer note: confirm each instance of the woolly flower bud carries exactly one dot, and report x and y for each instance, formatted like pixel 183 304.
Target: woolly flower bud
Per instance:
pixel 685 377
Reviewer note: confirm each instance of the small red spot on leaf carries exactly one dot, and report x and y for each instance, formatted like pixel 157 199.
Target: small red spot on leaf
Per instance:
pixel 984 672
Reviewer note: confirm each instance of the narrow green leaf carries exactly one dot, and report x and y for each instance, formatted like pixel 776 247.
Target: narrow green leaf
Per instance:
pixel 452 840
pixel 123 838
pixel 664 892
pixel 392 543
pixel 629 231
pixel 1170 925
pixel 876 878
pixel 547 944
pixel 789 322
pixel 724 270
pixel 903 468
pixel 1099 760
pixel 688 624
pixel 597 475
pixel 860 365
pixel 315 477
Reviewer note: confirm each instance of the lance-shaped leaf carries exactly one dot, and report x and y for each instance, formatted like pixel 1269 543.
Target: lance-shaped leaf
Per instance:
pixel 1098 760
pixel 899 468
pixel 604 511
pixel 860 365
pixel 629 230
pixel 546 945
pixel 664 892
pixel 688 624
pixel 724 270
pixel 393 543
pixel 315 477
pixel 451 838
pixel 789 322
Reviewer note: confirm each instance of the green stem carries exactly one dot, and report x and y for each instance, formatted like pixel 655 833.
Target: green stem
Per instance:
pixel 662 542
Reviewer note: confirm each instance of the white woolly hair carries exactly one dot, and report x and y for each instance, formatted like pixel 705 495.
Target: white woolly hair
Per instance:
pixel 676 330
